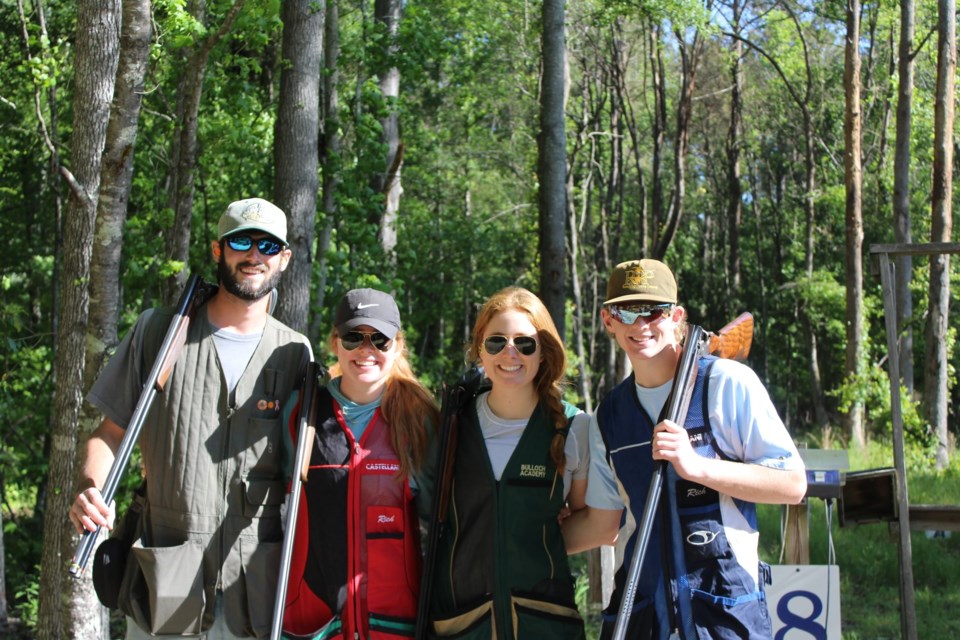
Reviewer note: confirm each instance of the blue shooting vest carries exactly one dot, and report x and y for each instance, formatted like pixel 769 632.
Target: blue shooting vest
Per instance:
pixel 690 580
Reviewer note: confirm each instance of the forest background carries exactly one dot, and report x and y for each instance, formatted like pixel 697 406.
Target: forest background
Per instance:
pixel 444 149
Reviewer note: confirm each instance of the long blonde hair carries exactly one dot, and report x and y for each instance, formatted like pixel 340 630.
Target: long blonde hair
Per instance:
pixel 407 406
pixel 550 375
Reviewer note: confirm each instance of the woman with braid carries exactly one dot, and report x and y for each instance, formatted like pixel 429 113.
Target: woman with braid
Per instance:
pixel 521 456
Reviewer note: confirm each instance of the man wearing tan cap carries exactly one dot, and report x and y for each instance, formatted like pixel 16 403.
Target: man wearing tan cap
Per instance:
pixel 702 577
pixel 205 563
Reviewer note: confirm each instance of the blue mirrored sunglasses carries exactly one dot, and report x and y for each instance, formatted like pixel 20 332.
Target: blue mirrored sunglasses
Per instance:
pixel 266 246
pixel 649 312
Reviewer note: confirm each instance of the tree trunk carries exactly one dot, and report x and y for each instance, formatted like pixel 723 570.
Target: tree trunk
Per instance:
pixel 583 378
pixel 552 160
pixel 689 56
pixel 854 217
pixel 387 14
pixel 296 154
pixel 65 611
pixel 816 383
pixel 184 155
pixel 658 126
pixel 937 373
pixel 330 153
pixel 734 189
pixel 901 193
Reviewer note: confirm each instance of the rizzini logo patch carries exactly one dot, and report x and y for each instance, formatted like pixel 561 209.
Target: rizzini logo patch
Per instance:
pixel 533 471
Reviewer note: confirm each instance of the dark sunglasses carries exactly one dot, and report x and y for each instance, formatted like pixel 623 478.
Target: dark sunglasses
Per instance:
pixel 526 345
pixel 266 246
pixel 649 312
pixel 353 339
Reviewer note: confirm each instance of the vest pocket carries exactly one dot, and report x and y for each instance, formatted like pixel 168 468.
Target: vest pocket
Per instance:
pixel 536 618
pixel 165 587
pixel 262 456
pixel 260 562
pixel 743 617
pixel 476 623
pixel 262 498
pixel 389 592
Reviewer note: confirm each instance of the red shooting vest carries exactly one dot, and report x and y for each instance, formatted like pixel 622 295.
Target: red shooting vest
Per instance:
pixel 355 571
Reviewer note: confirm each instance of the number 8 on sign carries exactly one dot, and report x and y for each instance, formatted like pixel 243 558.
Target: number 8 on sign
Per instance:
pixel 807 626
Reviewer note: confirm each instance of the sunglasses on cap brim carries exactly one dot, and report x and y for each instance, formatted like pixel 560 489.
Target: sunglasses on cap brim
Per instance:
pixel 353 339
pixel 628 314
pixel 266 246
pixel 525 345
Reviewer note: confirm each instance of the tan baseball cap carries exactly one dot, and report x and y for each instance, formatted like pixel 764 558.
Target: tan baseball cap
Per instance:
pixel 253 214
pixel 644 280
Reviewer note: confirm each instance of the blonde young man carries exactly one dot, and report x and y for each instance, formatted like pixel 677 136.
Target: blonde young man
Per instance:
pixel 701 577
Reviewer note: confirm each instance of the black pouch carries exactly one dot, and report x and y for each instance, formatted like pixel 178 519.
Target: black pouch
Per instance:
pixel 110 558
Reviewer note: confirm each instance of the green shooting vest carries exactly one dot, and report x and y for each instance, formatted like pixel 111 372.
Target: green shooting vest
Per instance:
pixel 502 567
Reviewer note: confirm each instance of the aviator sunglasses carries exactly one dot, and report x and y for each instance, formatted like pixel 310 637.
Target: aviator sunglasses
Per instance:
pixel 526 345
pixel 353 339
pixel 266 246
pixel 649 312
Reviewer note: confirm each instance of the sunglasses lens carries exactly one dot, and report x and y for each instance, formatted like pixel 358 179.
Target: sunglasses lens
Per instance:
pixel 351 340
pixel 527 345
pixel 240 243
pixel 494 344
pixel 380 341
pixel 268 247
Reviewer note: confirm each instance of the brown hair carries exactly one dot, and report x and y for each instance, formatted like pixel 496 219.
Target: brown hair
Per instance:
pixel 553 365
pixel 407 406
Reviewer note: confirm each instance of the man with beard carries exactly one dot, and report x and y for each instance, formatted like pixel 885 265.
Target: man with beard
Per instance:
pixel 208 546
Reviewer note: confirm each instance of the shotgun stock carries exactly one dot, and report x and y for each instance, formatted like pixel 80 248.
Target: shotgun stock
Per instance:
pixel 194 294
pixel 306 420
pixel 733 341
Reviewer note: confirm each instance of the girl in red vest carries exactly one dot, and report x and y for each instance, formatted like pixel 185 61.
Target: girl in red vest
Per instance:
pixel 356 564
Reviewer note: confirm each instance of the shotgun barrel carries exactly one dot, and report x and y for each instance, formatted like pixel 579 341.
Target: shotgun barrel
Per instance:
pixel 676 410
pixel 453 399
pixel 170 348
pixel 306 420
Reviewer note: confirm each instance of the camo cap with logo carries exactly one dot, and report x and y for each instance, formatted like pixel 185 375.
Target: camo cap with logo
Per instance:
pixel 253 214
pixel 641 281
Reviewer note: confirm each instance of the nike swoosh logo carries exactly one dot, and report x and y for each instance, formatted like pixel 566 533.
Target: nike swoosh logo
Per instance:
pixel 367 306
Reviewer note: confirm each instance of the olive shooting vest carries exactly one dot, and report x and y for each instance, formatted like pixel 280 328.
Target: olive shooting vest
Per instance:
pixel 215 482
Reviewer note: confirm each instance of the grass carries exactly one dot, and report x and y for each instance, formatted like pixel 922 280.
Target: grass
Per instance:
pixel 869 560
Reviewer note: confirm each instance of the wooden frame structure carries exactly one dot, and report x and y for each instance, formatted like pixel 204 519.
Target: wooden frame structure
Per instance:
pixel 908 616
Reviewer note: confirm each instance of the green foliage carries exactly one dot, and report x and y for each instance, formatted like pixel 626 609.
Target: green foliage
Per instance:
pixel 468 222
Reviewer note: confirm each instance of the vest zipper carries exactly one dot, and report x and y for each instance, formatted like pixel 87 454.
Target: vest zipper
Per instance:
pixel 224 495
pixel 353 554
